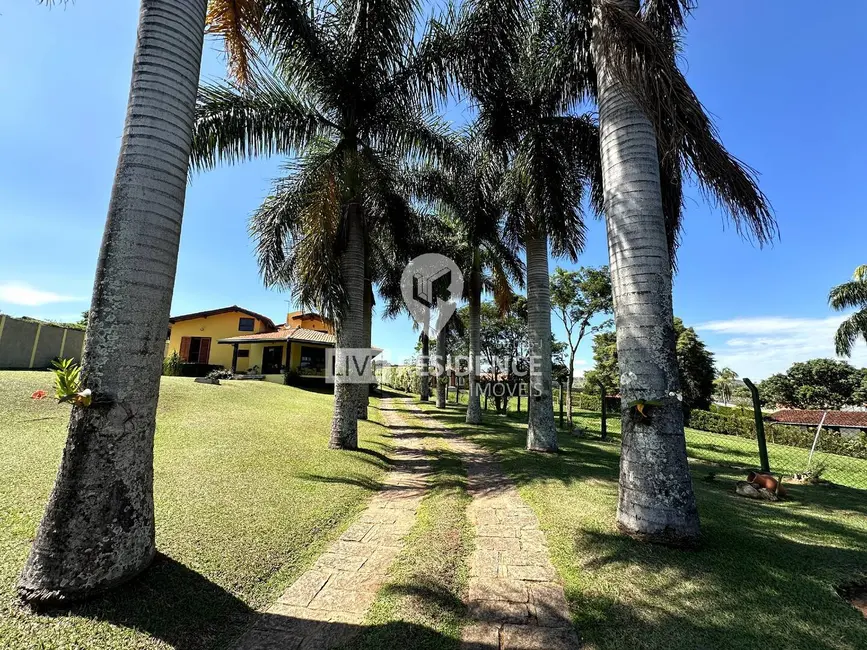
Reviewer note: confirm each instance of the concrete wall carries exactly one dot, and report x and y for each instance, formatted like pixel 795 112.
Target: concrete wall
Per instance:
pixel 24 344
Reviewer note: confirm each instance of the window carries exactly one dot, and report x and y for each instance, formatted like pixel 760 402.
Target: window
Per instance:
pixel 195 349
pixel 243 354
pixel 312 359
pixel 246 324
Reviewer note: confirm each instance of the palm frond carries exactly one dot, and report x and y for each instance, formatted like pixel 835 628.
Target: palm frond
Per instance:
pixel 238 24
pixel 849 331
pixel 643 63
pixel 232 126
pixel 849 295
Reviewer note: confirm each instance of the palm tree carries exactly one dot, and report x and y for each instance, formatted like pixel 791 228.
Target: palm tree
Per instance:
pixel 98 526
pixel 346 96
pixel 470 216
pixel 504 55
pixel 653 134
pixel 725 383
pixel 851 295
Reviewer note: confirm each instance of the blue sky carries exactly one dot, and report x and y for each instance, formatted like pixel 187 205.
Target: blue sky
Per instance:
pixel 781 78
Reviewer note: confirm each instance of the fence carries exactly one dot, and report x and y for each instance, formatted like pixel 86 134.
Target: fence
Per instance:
pixel 26 344
pixel 732 441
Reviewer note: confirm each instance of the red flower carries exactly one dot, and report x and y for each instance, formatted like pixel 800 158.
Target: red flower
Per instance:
pixel 40 394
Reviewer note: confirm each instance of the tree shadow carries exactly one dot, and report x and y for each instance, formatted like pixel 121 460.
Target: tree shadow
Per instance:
pixel 170 602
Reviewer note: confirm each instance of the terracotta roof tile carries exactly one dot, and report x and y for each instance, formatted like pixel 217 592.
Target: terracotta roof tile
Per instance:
pixel 294 334
pixel 852 419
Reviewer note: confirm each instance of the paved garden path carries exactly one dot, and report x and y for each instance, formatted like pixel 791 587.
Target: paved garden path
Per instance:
pixel 515 599
pixel 325 606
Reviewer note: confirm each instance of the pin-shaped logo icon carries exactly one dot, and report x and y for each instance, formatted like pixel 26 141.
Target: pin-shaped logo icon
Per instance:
pixel 431 285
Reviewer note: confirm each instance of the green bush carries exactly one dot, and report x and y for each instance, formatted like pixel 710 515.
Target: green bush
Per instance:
pixel 172 365
pixel 733 410
pixel 588 402
pixel 719 423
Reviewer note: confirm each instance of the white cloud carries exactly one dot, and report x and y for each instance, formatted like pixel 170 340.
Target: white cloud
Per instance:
pixel 759 347
pixel 22 294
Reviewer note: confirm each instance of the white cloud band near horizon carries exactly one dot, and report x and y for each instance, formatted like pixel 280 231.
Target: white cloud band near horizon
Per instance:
pixel 762 346
pixel 17 293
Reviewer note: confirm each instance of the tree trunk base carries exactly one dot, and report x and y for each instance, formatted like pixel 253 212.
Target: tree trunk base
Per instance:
pixel 34 593
pixel 669 538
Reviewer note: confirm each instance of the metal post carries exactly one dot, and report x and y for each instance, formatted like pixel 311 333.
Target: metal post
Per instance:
pixel 760 426
pixel 816 440
pixel 604 411
pixel 560 391
pixel 519 396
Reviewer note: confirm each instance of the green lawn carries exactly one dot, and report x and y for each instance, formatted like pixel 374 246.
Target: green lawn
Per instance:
pixel 247 495
pixel 765 576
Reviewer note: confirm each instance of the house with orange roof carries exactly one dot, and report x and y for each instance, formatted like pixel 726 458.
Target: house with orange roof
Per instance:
pixel 244 341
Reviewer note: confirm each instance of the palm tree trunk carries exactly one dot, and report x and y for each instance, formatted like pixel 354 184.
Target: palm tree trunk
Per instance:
pixel 541 429
pixel 441 352
pixel 350 335
pixel 474 406
pixel 364 389
pixel 98 526
pixel 424 368
pixel 656 496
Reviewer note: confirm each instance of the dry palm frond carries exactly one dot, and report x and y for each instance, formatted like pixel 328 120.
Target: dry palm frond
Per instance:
pixel 238 23
pixel 849 331
pixel 644 64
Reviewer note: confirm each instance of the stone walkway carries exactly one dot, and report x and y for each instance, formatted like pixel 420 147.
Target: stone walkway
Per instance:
pixel 515 597
pixel 325 606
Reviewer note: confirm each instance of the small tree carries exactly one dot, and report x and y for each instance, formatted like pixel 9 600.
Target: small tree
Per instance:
pixel 577 298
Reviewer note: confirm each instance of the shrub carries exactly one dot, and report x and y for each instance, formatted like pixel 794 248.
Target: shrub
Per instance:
pixel 291 377
pixel 589 402
pixel 172 365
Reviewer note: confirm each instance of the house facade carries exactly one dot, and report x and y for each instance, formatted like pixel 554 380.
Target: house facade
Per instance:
pixel 244 341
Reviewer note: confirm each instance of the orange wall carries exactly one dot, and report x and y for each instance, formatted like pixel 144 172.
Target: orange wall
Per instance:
pixel 309 321
pixel 219 326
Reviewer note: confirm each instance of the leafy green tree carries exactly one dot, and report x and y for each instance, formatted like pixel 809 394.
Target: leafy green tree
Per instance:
pixel 579 297
pixel 814 384
pixel 695 368
pixel 348 100
pixel 694 364
pixel 851 295
pixel 725 384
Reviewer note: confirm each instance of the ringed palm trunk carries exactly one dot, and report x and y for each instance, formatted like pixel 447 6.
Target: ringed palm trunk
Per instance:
pixel 541 430
pixel 441 352
pixel 474 405
pixel 350 335
pixel 656 497
pixel 569 380
pixel 424 368
pixel 98 526
pixel 364 389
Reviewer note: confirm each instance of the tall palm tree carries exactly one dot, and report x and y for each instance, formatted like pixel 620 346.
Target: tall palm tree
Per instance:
pixel 851 295
pixel 470 212
pixel 504 53
pixel 98 526
pixel 347 96
pixel 653 134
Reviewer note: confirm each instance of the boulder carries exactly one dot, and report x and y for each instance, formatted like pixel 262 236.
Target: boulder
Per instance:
pixel 748 490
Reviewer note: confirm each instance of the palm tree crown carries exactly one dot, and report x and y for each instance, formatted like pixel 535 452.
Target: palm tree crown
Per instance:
pixel 851 295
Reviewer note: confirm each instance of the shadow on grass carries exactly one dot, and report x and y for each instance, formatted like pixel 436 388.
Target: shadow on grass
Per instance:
pixel 172 603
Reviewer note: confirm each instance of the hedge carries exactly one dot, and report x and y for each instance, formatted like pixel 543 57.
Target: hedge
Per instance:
pixel 594 402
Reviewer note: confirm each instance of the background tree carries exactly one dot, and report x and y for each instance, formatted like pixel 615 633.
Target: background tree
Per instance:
pixel 98 528
pixel 577 298
pixel 695 368
pixel 814 384
pixel 851 295
pixel 725 384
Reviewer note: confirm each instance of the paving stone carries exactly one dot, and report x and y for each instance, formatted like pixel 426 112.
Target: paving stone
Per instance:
pixel 339 562
pixel 498 589
pixel 499 543
pixel 529 637
pixel 525 557
pixel 498 611
pixel 481 636
pixel 343 600
pixel 305 588
pixel 484 563
pixel 357 531
pixel 258 639
pixel 531 572
pixel 497 530
pixel 548 605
